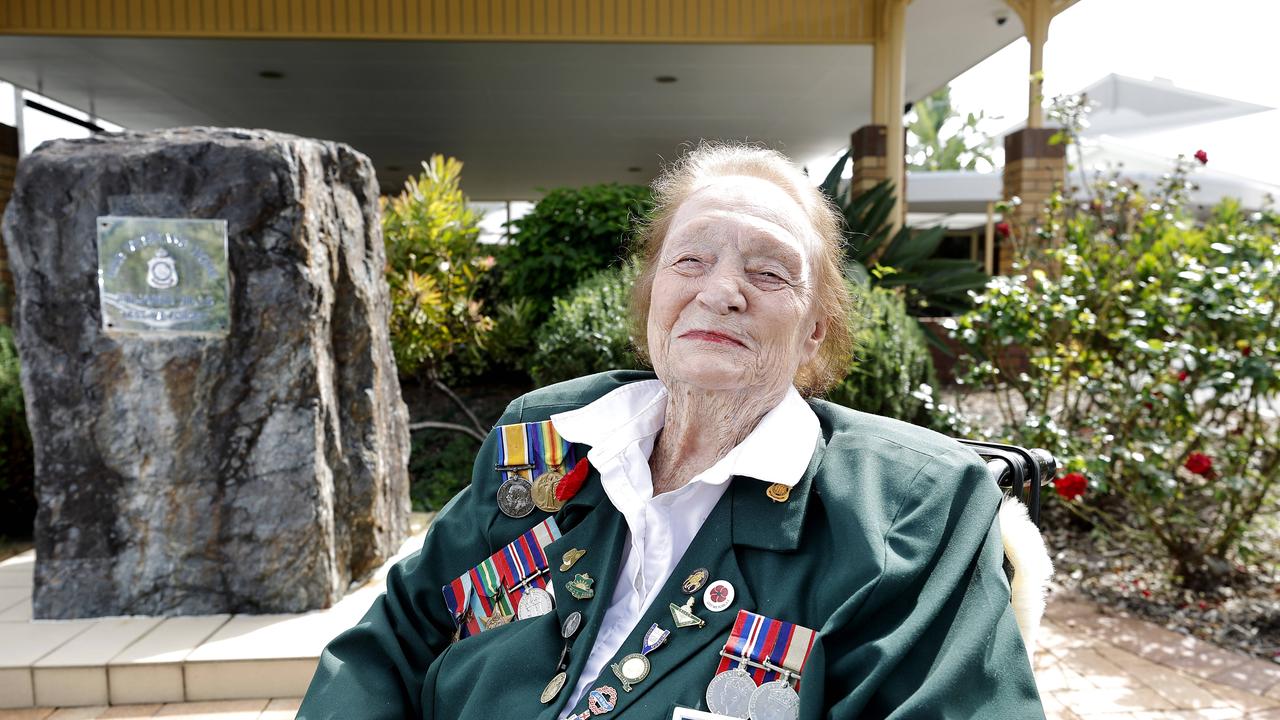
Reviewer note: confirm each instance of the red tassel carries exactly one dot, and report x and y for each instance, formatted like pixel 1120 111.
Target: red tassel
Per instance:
pixel 570 484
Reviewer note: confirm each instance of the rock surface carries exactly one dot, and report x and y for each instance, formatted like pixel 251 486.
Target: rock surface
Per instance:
pixel 258 472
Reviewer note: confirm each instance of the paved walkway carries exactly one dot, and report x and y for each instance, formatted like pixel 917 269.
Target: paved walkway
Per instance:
pixel 1090 666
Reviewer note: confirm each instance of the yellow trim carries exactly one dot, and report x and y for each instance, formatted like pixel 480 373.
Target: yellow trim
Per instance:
pixel 624 21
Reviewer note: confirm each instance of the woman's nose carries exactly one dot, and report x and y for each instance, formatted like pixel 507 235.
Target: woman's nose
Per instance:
pixel 723 293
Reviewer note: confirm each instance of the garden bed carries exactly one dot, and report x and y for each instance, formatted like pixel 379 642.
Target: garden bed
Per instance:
pixel 1245 617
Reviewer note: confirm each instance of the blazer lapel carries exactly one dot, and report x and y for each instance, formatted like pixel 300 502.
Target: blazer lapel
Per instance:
pixel 712 549
pixel 597 527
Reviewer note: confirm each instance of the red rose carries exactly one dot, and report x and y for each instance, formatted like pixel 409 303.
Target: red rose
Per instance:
pixel 1071 485
pixel 1246 350
pixel 1202 156
pixel 1002 229
pixel 1146 593
pixel 1183 375
pixel 1199 463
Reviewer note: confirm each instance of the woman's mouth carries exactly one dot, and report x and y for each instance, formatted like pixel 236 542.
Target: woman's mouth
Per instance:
pixel 711 336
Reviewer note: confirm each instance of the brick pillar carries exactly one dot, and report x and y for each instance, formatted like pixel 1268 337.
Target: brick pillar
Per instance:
pixel 8 168
pixel 868 151
pixel 870 166
pixel 1033 169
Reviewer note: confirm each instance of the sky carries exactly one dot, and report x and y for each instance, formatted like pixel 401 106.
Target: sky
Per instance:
pixel 1225 47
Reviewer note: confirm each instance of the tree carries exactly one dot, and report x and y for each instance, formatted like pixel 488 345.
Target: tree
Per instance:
pixel 939 138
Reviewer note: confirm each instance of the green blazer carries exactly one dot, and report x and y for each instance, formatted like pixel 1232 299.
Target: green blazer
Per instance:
pixel 887 547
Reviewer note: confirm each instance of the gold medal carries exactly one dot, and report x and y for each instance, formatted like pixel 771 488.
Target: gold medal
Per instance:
pixel 778 492
pixel 544 491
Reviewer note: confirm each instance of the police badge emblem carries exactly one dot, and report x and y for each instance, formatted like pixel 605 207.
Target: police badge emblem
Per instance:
pixel 162 272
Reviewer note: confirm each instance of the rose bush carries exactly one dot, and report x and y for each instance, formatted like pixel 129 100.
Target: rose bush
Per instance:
pixel 1152 347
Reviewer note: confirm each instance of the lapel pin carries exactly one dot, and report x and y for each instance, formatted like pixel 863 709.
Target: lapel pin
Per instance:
pixel 719 595
pixel 572 556
pixel 683 615
pixel 695 581
pixel 580 586
pixel 778 492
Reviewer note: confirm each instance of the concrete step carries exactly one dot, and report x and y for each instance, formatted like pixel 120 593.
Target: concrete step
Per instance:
pixel 156 660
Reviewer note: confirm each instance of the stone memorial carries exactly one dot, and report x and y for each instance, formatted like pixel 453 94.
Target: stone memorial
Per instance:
pixel 202 315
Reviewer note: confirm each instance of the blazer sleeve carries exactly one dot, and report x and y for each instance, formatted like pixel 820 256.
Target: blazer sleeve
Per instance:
pixel 936 637
pixel 375 670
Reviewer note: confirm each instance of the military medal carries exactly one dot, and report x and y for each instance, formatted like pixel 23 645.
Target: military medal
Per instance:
pixel 571 556
pixel 533 603
pixel 683 615
pixel 515 495
pixel 757 665
pixel 719 595
pixel 635 667
pixel 730 693
pixel 580 586
pixel 774 700
pixel 484 597
pixel 695 581
pixel 554 449
pixel 778 492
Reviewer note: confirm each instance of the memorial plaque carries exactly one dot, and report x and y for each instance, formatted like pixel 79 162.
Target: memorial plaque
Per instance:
pixel 163 275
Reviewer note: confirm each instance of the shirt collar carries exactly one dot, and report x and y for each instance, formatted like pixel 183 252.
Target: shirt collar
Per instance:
pixel 778 450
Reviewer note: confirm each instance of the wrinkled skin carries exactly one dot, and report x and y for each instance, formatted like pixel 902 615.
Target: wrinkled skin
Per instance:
pixel 731 319
pixel 736 263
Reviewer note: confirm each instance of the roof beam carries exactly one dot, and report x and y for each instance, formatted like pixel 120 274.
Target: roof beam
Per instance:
pixel 626 21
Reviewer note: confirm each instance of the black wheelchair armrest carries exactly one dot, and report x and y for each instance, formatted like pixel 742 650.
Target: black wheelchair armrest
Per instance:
pixel 1018 470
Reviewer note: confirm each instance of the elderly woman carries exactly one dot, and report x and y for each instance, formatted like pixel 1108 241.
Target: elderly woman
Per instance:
pixel 724 541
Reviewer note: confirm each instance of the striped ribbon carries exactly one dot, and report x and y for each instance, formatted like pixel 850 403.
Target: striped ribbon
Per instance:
pixel 536 444
pixel 481 589
pixel 758 638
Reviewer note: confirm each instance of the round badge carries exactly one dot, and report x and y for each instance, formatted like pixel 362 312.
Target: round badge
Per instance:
pixel 730 693
pixel 571 625
pixel 544 492
pixel 632 669
pixel 774 701
pixel 719 595
pixel 515 497
pixel 695 581
pixel 533 603
pixel 602 700
pixel 553 688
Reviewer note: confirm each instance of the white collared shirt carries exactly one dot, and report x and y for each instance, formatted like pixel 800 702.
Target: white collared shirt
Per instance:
pixel 621 429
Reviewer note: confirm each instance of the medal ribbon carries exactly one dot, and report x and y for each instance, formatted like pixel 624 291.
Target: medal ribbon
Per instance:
pixel 550 447
pixel 760 640
pixel 514 446
pixel 519 559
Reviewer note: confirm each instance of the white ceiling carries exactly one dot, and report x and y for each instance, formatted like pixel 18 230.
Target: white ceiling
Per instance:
pixel 522 116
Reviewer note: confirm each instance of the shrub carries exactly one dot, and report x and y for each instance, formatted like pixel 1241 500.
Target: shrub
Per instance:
pixel 439 468
pixel 892 372
pixel 434 268
pixel 1150 351
pixel 17 468
pixel 587 332
pixel 570 234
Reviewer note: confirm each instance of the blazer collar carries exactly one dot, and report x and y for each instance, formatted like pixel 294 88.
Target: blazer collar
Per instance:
pixel 762 522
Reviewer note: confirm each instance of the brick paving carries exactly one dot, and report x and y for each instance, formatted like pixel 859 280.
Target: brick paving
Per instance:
pixel 1092 664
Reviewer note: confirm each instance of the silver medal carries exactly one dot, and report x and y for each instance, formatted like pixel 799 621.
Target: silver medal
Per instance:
pixel 730 693
pixel 515 497
pixel 533 603
pixel 774 701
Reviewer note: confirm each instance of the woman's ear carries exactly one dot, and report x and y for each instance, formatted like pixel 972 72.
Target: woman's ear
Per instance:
pixel 817 334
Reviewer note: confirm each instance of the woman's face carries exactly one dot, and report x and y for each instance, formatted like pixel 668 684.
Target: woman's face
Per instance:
pixel 732 295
